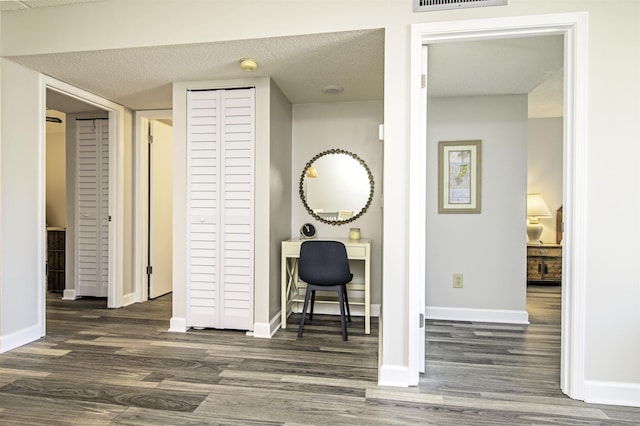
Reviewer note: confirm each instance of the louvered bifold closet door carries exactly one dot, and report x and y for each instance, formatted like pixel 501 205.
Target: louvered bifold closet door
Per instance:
pixel 92 195
pixel 238 208
pixel 220 146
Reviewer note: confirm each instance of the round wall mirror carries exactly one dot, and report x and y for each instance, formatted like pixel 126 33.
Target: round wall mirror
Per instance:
pixel 336 187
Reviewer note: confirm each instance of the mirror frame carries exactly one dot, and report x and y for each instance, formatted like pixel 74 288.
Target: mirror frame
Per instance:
pixel 303 196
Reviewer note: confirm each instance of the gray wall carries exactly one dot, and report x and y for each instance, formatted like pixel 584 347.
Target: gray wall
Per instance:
pixel 489 248
pixel 280 189
pixel 352 126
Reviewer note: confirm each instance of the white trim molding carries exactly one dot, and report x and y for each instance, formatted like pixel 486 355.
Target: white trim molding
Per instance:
pixel 393 375
pixel 69 294
pixel 178 325
pixel 267 330
pixel 477 315
pixel 128 299
pixel 612 393
pixel 573 26
pixel 19 338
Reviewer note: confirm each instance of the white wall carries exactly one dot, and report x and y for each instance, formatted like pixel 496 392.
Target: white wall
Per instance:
pixel 487 248
pixel 22 205
pixel 352 126
pixel 613 90
pixel 544 168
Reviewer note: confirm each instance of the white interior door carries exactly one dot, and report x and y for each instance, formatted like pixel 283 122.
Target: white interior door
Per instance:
pixel 237 184
pixel 160 209
pixel 92 195
pixel 220 145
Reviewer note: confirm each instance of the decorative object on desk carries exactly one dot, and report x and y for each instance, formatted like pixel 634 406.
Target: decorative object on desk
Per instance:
pixel 336 187
pixel 536 209
pixel 354 234
pixel 459 178
pixel 308 231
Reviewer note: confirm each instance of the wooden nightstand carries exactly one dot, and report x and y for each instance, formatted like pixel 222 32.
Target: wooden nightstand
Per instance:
pixel 55 259
pixel 544 263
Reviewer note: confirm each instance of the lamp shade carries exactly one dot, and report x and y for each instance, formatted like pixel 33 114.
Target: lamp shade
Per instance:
pixel 536 207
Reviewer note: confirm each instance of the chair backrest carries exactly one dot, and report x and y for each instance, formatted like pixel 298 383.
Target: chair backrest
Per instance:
pixel 324 263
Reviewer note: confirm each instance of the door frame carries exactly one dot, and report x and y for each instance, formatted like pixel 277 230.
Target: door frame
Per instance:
pixel 573 26
pixel 115 298
pixel 141 198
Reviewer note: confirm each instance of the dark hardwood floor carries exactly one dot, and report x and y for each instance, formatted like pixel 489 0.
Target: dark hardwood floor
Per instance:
pixel 101 366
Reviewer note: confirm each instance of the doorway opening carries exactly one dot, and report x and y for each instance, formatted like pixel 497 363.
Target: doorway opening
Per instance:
pixel 153 183
pixel 573 28
pixel 76 106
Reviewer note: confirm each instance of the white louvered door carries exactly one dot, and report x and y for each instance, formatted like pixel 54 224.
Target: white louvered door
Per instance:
pixel 220 146
pixel 92 196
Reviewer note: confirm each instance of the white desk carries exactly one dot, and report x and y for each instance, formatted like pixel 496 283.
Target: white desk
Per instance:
pixel 290 286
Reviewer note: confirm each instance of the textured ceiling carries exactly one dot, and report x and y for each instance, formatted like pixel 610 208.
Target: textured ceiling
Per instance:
pixel 141 78
pixel 527 65
pixel 502 66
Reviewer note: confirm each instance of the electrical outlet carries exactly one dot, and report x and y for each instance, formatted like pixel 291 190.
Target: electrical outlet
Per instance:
pixel 457 281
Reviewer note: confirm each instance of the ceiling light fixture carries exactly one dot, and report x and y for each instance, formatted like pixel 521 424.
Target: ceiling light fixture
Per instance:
pixel 248 64
pixel 332 89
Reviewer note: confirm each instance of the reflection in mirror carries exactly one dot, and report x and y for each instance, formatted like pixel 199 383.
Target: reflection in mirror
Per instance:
pixel 336 187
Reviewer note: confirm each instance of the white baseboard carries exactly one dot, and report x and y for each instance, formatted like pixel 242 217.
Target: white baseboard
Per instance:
pixel 19 338
pixel 267 330
pixel 394 375
pixel 69 294
pixel 178 325
pixel 128 299
pixel 477 315
pixel 612 393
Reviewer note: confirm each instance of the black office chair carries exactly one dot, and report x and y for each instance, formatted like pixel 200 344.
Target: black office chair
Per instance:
pixel 324 265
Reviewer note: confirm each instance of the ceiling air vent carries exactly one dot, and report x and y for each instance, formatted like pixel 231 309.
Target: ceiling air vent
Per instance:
pixel 427 5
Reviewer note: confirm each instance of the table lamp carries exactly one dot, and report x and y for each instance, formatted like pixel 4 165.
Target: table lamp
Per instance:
pixel 536 209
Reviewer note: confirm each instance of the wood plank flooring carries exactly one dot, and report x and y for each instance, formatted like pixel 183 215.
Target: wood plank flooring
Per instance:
pixel 102 366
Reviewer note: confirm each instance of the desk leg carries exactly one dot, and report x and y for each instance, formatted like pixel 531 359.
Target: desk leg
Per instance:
pixel 288 285
pixel 367 297
pixel 283 292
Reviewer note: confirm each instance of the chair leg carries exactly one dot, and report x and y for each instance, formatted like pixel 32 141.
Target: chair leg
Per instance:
pixel 346 301
pixel 313 302
pixel 341 292
pixel 304 312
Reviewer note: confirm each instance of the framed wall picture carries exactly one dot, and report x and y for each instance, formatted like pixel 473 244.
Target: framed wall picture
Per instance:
pixel 459 184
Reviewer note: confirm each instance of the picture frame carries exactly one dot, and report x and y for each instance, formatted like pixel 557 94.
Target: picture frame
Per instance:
pixel 459 176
